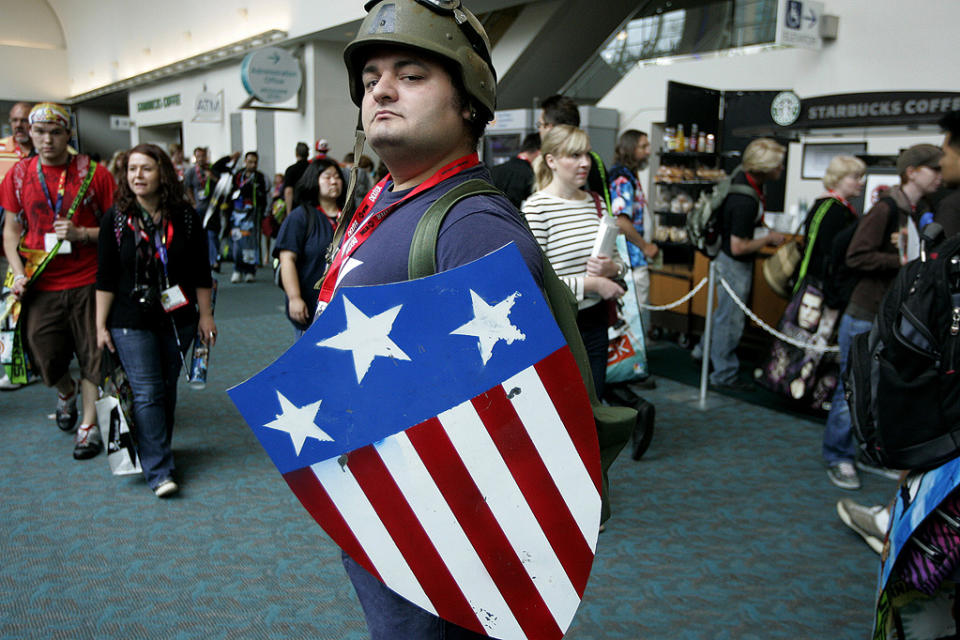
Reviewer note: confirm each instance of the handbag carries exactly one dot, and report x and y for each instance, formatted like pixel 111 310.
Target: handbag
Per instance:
pixel 115 417
pixel 627 349
pixel 780 269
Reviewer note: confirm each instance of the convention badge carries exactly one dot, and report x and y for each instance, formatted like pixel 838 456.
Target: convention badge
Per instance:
pixel 50 241
pixel 235 195
pixel 236 234
pixel 173 298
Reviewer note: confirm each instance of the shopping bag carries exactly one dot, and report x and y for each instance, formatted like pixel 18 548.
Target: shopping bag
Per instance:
pixel 117 437
pixel 805 376
pixel 627 352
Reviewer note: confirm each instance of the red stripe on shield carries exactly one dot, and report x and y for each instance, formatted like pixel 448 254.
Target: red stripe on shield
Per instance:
pixel 443 462
pixel 411 539
pixel 541 493
pixel 316 500
pixel 556 371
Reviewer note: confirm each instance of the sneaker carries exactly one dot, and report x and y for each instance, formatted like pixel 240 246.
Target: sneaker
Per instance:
pixel 67 411
pixel 88 442
pixel 844 475
pixel 235 278
pixel 869 522
pixel 891 474
pixel 166 488
pixel 249 278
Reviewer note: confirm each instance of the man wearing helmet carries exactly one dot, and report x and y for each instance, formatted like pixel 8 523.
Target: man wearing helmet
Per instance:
pixel 420 72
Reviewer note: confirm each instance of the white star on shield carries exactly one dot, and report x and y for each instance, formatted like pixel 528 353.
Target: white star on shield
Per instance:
pixel 298 422
pixel 490 324
pixel 367 337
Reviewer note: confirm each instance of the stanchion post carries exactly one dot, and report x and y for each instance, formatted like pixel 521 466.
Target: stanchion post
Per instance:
pixel 707 335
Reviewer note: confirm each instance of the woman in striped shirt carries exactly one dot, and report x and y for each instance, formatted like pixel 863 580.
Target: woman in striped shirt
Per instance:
pixel 565 220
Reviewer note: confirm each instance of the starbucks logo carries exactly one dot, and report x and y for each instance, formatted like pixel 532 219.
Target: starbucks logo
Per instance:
pixel 785 108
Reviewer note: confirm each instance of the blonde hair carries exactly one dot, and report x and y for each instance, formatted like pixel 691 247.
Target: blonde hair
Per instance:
pixel 842 166
pixel 763 155
pixel 561 140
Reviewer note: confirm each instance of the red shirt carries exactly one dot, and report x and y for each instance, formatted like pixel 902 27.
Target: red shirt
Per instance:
pixel 21 191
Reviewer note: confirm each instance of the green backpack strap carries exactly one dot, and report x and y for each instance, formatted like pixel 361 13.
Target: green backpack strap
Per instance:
pixel 812 238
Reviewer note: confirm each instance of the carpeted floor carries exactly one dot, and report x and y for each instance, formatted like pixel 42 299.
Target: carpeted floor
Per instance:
pixel 726 528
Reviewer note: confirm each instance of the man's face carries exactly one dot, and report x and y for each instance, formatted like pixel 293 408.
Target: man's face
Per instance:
pixel 250 163
pixel 201 157
pixel 20 123
pixel 927 179
pixel 50 140
pixel 542 125
pixel 642 152
pixel 808 316
pixel 950 163
pixel 410 105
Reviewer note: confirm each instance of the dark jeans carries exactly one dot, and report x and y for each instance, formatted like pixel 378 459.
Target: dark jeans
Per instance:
pixel 391 617
pixel 152 364
pixel 592 323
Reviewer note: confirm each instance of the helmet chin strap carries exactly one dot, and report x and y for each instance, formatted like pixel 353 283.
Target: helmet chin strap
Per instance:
pixel 349 207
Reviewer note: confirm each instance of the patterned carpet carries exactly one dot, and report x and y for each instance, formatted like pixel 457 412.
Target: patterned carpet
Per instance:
pixel 726 528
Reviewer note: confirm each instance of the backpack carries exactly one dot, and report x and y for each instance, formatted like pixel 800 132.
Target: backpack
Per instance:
pixel 703 221
pixel 614 424
pixel 902 382
pixel 842 279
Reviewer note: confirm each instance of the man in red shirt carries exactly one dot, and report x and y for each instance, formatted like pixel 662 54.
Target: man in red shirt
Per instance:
pixel 58 314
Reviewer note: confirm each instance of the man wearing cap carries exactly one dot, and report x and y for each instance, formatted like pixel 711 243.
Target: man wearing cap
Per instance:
pixel 57 320
pixel 876 252
pixel 425 101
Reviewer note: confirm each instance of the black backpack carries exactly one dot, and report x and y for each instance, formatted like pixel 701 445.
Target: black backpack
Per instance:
pixel 902 382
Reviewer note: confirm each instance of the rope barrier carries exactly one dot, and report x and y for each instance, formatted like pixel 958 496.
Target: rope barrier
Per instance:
pixel 664 307
pixel 763 325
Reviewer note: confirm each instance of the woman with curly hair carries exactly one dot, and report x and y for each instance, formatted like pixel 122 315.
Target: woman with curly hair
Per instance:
pixel 153 292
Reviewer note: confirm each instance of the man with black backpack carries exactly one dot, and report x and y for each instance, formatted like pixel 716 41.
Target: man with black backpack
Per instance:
pixel 740 215
pixel 876 252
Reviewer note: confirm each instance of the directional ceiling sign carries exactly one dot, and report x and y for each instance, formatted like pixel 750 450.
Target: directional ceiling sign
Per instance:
pixel 798 23
pixel 271 75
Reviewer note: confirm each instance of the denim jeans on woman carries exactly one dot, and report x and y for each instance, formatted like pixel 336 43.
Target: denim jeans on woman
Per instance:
pixel 838 443
pixel 728 319
pixel 152 364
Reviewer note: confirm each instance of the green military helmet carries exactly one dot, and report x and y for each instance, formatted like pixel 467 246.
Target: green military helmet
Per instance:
pixel 441 27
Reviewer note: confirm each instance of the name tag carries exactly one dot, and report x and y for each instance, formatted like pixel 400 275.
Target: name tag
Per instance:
pixel 50 241
pixel 172 299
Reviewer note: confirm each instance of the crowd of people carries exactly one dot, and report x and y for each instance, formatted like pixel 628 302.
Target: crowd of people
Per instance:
pixel 117 260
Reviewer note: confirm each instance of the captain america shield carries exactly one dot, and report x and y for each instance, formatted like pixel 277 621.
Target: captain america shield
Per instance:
pixel 438 430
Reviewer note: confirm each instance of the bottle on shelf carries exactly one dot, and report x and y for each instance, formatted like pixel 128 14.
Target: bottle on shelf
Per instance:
pixel 702 142
pixel 711 145
pixel 669 138
pixel 692 144
pixel 681 139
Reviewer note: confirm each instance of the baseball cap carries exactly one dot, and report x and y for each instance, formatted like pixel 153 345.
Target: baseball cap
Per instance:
pixel 919 155
pixel 50 112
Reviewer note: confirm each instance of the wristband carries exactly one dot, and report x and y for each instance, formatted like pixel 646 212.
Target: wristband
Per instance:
pixel 19 277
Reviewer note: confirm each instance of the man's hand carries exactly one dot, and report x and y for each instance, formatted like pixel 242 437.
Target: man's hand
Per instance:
pixel 66 230
pixel 608 289
pixel 19 286
pixel 775 238
pixel 298 310
pixel 650 250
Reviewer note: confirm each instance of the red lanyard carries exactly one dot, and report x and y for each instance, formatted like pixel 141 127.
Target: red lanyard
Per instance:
pixel 364 223
pixel 842 200
pixel 332 221
pixel 756 187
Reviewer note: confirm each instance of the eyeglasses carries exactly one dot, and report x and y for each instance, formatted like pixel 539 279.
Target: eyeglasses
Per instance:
pixel 543 125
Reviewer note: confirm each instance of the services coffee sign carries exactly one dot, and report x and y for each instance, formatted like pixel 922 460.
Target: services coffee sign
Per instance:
pixel 271 75
pixel 876 109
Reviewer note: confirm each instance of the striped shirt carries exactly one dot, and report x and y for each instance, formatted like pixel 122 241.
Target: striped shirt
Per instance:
pixel 566 230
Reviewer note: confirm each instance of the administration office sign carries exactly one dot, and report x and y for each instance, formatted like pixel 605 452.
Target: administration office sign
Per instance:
pixel 271 75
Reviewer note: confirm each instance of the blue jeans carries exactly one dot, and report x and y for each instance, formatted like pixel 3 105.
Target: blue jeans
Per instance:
pixel 838 443
pixel 390 616
pixel 728 319
pixel 213 247
pixel 152 364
